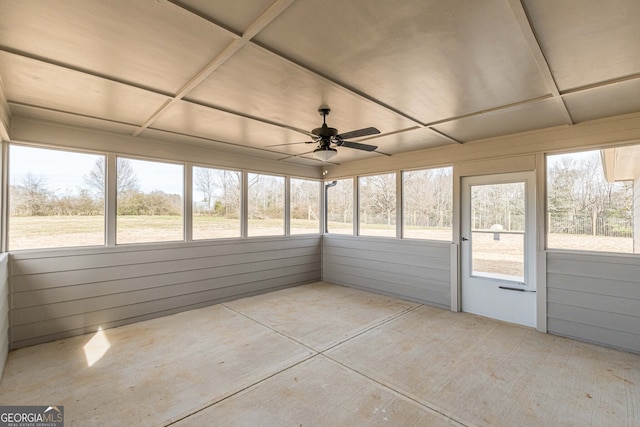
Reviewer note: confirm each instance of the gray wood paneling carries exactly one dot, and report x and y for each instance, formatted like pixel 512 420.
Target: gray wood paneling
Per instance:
pixel 409 269
pixel 4 310
pixel 595 298
pixel 61 293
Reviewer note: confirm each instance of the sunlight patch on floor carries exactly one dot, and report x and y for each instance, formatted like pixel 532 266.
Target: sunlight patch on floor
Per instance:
pixel 96 347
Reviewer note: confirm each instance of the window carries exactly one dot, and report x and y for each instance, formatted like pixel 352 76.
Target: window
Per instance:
pixel 377 198
pixel 304 206
pixel 149 201
pixel 56 198
pixel 340 207
pixel 590 200
pixel 216 203
pixel 265 205
pixel 427 203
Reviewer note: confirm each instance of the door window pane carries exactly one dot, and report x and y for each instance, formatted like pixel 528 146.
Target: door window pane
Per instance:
pixel 149 201
pixel 498 231
pixel 340 207
pixel 56 198
pixel 427 200
pixel 216 203
pixel 304 206
pixel 377 205
pixel 265 205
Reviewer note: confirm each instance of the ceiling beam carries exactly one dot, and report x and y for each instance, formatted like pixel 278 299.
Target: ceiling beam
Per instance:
pixel 590 87
pixel 5 114
pixel 227 53
pixel 522 19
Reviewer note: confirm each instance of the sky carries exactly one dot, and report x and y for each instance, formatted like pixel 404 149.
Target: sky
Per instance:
pixel 582 155
pixel 65 171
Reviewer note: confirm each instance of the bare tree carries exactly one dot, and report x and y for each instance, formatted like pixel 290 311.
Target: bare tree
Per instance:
pixel 220 191
pixel 207 184
pixel 231 193
pixel 340 201
pixel 126 177
pixel 32 197
pixel 379 197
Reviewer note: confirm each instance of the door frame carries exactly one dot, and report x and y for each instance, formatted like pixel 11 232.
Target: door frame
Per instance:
pixel 515 304
pixel 534 162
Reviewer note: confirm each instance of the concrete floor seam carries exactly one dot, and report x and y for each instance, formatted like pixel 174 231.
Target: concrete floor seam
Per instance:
pixel 316 354
pixel 243 389
pixel 364 331
pixel 426 405
pixel 270 328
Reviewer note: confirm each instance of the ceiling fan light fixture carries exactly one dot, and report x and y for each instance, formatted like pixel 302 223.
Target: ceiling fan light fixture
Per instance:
pixel 325 153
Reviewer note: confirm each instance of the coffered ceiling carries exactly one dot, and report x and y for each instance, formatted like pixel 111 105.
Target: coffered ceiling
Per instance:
pixel 249 75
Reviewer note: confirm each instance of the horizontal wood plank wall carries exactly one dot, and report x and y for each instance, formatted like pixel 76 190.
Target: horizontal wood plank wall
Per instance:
pixel 595 298
pixel 410 269
pixel 57 294
pixel 4 310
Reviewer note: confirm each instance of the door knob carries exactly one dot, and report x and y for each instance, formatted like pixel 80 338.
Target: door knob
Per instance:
pixel 464 239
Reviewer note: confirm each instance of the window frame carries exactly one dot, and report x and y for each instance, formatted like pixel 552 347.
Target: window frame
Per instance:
pixel 546 195
pixel 184 207
pixel 241 204
pixel 285 206
pixel 320 183
pixel 358 196
pixel 354 202
pixel 6 173
pixel 402 202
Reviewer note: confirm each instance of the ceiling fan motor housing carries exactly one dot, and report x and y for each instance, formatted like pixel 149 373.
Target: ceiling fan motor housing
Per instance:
pixel 325 131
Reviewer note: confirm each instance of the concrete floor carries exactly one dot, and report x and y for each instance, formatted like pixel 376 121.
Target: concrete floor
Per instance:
pixel 326 355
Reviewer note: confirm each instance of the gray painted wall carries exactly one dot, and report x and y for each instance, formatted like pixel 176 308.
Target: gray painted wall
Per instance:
pixel 62 293
pixel 595 298
pixel 4 310
pixel 410 269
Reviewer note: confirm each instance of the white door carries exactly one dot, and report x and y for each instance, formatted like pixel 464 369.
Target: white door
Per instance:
pixel 498 247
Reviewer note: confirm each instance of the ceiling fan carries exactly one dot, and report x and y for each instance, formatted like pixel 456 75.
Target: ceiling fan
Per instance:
pixel 327 138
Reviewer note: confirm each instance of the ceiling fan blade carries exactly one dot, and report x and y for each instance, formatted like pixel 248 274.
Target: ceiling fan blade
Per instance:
pixel 358 146
pixel 291 143
pixel 359 132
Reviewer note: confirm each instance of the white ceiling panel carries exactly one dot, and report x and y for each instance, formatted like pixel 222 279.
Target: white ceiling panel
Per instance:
pixel 40 84
pixel 430 59
pixel 245 75
pixel 260 84
pixel 516 119
pixel 189 140
pixel 587 41
pixel 148 43
pixel 610 100
pixel 192 119
pixel 415 139
pixel 71 119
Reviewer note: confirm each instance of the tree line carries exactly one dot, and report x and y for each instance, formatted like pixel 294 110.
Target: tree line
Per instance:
pixel 427 199
pixel 218 194
pixel 578 193
pixel 33 197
